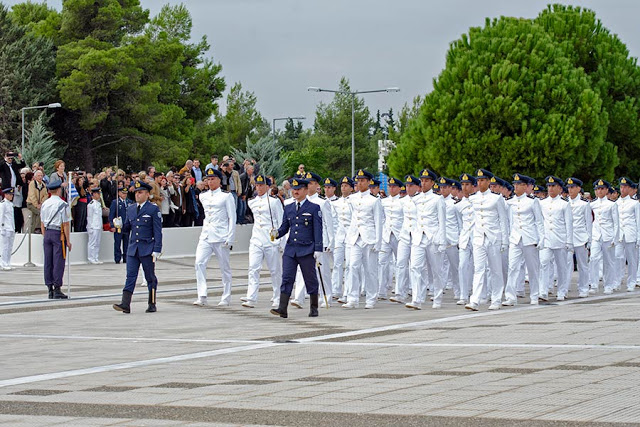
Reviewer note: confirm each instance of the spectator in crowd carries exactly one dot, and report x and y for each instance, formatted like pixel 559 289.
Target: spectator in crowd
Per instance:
pixel 10 178
pixel 178 200
pixel 27 177
pixel 196 172
pixel 36 195
pixel 189 206
pixel 214 163
pixel 79 209
pixel 59 176
pixel 200 187
pixel 151 171
pixel 286 189
pixel 301 171
pixel 232 180
pixel 109 186
pixel 165 204
pixel 247 186
pixel 186 168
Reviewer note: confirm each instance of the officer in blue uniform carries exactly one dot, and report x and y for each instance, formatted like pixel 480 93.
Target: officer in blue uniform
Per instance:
pixel 120 240
pixel 303 221
pixel 144 222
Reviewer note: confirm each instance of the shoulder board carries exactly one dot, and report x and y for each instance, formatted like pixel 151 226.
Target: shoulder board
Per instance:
pixel 493 192
pixel 509 198
pixel 225 191
pixel 531 196
pixel 593 200
pixel 272 196
pixel 457 201
pixel 373 195
pixel 566 199
pixel 253 197
pixel 321 196
pixel 584 199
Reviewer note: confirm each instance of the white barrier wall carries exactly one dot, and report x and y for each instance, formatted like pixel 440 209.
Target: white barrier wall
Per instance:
pixel 176 243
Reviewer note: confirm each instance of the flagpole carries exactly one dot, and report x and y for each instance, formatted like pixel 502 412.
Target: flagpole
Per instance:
pixel 69 251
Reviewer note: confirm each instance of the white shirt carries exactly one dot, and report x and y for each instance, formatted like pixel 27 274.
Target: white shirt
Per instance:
pixel 582 220
pixel 219 216
pixel 366 219
pixel 267 215
pixel 629 215
pixel 7 221
pixel 342 219
pixel 453 222
pixel 431 219
pixel 94 215
pixel 605 220
pixel 393 217
pixel 49 212
pixel 328 233
pixel 465 212
pixel 14 180
pixel 490 214
pixel 409 216
pixel 558 223
pixel 526 221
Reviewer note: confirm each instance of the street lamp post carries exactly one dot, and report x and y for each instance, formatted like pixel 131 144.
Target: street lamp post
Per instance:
pixel 53 105
pixel 285 118
pixel 353 101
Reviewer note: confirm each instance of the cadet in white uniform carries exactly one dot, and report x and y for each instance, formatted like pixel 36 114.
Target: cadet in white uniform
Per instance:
pixel 558 239
pixel 7 229
pixel 428 242
pixel 603 236
pixel 465 244
pixel 582 224
pixel 409 214
pixel 365 237
pixel 629 213
pixel 94 227
pixel 525 239
pixel 393 219
pixel 453 226
pixel 217 236
pixel 267 215
pixel 490 240
pixel 342 221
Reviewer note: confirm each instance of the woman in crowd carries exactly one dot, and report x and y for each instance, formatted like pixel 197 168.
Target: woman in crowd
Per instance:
pixel 59 176
pixel 189 209
pixel 165 205
pixel 79 210
pixel 27 177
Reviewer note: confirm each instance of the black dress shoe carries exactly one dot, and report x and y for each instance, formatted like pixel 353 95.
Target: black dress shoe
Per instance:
pixel 282 307
pixel 151 309
pixel 57 293
pixel 313 309
pixel 125 305
pixel 50 291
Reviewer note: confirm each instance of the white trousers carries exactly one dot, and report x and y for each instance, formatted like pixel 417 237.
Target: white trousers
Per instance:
pixel 451 272
pixel 341 270
pixel 602 253
pixel 520 255
pixel 402 269
pixel 203 255
pixel 631 255
pixel 559 256
pixel 465 274
pixel 364 260
pixel 6 247
pixel 487 256
pixel 93 244
pixel 420 256
pixel 582 260
pixel 270 254
pixel 385 274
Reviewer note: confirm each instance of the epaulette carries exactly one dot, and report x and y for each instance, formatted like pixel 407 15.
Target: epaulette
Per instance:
pixel 322 197
pixel 584 199
pixel 271 195
pixel 566 199
pixel 509 198
pixel 457 201
pixel 531 196
pixel 493 192
pixel 224 191
pixel 373 195
pixel 253 197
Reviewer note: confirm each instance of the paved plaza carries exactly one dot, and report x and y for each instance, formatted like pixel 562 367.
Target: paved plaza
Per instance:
pixel 79 362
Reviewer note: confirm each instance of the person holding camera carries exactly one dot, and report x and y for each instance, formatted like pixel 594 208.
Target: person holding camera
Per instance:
pixel 10 178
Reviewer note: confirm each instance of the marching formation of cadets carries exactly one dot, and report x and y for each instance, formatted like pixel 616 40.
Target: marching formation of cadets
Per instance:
pixel 478 240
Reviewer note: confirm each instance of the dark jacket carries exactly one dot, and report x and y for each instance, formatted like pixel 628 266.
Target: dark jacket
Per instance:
pixel 5 173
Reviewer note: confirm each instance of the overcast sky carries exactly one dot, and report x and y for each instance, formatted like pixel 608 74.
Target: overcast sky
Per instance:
pixel 277 48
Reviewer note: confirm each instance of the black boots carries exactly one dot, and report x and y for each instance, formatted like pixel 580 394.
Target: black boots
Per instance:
pixel 282 308
pixel 57 293
pixel 50 287
pixel 125 305
pixel 313 310
pixel 152 302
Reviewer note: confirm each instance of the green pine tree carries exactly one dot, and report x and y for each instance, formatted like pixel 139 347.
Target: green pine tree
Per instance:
pixel 267 151
pixel 41 145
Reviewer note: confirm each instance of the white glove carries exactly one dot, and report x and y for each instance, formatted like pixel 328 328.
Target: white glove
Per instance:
pixel 117 222
pixel 442 248
pixel 317 255
pixel 227 244
pixel 503 247
pixel 612 244
pixel 156 255
pixel 273 234
pixel 569 248
pixel 587 245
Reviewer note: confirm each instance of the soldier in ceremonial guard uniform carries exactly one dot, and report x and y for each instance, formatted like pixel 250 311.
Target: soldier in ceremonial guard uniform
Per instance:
pixel 55 223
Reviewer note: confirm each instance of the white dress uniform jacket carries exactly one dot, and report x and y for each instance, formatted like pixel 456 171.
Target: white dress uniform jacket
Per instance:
pixel 524 211
pixel 219 224
pixel 605 220
pixel 629 215
pixel 393 217
pixel 430 219
pixel 558 223
pixel 366 220
pixel 582 221
pixel 488 226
